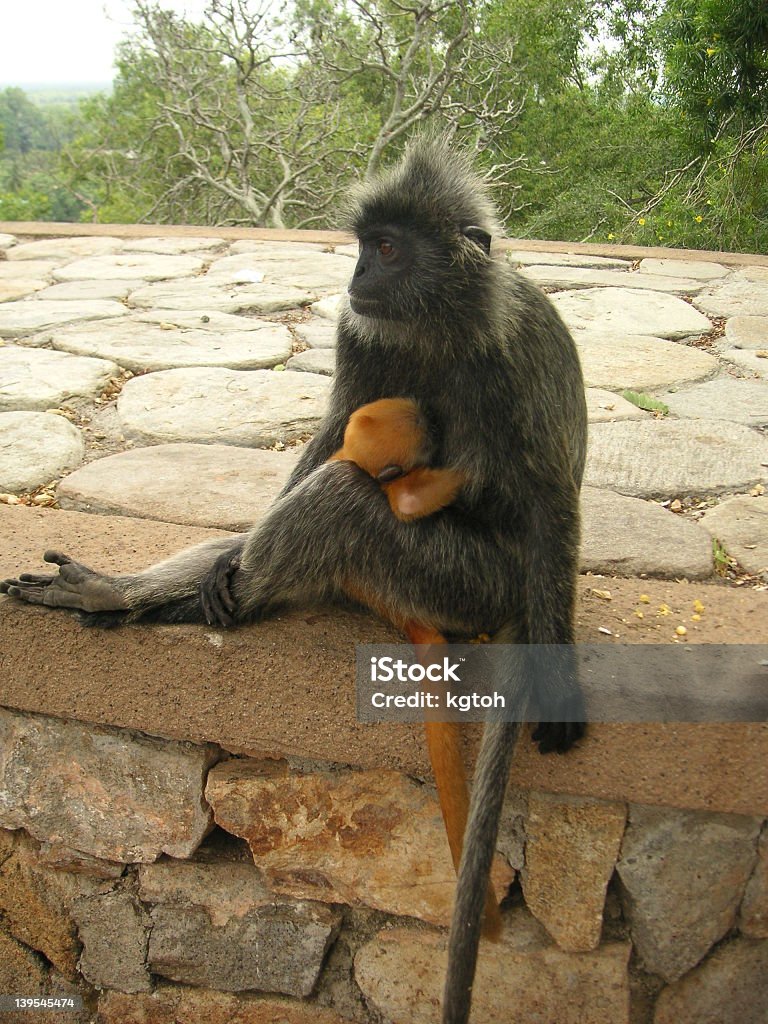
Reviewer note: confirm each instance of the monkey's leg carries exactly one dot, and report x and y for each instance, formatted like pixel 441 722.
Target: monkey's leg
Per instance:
pixel 335 532
pixel 446 757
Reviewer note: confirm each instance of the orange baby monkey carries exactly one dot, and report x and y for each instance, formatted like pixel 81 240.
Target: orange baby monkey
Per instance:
pixel 389 439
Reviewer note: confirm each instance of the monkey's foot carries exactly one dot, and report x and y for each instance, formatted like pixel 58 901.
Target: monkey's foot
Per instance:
pixel 215 591
pixel 74 586
pixel 557 736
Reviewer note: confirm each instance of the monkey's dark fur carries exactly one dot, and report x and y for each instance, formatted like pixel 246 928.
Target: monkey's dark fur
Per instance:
pixel 487 358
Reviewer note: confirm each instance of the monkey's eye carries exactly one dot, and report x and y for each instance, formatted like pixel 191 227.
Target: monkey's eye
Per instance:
pixel 385 248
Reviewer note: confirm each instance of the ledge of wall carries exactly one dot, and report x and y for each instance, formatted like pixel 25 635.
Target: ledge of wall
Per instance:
pixel 285 687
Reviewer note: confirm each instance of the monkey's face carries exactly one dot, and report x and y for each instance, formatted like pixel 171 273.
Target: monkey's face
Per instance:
pixel 381 284
pixel 409 272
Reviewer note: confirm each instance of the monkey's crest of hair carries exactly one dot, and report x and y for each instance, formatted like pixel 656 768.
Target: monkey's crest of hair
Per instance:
pixel 433 190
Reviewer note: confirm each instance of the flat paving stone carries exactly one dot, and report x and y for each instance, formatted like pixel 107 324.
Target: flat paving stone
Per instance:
pixel 748 360
pixel 140 346
pixel 740 295
pixel 741 526
pixel 217 405
pixel 317 333
pixel 18 319
pixel 606 407
pixel 525 258
pixel 328 307
pixel 192 484
pixel 85 291
pixel 190 319
pixel 39 379
pixel 6 241
pixel 672 458
pixel 35 448
pixel 19 288
pixel 698 270
pixel 639 362
pixel 589 277
pixel 314 360
pixel 172 246
pixel 747 332
pixel 275 250
pixel 61 249
pixel 206 297
pixel 727 398
pixel 11 271
pixel 626 536
pixel 130 267
pixel 630 311
pixel 316 271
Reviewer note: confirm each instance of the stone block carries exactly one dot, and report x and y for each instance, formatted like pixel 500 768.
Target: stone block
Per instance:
pixel 216 405
pixel 731 987
pixel 36 448
pixel 17 319
pixel 638 362
pixel 684 876
pixel 739 295
pixel 114 930
pixel 139 345
pixel 753 917
pixel 130 267
pixel 673 458
pixel 625 310
pixel 21 973
pixel 570 853
pixel 314 360
pixel 278 947
pixel 586 277
pixel 109 793
pixel 366 838
pixel 176 1004
pixel 38 379
pixel 741 525
pixel 522 979
pixel 35 902
pixel 196 484
pixel 631 537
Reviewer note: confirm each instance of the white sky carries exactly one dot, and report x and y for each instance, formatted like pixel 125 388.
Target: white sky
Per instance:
pixel 60 42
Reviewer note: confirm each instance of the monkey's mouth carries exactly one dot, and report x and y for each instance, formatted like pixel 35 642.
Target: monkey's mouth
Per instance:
pixel 365 306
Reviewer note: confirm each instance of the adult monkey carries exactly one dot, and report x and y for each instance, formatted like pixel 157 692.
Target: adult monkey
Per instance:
pixel 431 315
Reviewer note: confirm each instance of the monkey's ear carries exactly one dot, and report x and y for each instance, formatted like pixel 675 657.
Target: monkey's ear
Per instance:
pixel 479 236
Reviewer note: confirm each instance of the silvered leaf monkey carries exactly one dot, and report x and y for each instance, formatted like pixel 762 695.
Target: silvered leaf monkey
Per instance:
pixel 431 314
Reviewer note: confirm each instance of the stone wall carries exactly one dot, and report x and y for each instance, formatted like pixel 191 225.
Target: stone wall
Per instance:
pixel 167 881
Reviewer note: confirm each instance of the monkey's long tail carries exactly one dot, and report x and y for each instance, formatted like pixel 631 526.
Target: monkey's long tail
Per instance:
pixel 491 775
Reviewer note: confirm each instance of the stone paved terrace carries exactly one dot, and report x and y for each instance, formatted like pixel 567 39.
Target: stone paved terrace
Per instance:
pixel 135 363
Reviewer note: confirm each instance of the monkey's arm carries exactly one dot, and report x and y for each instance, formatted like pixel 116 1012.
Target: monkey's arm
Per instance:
pixel 111 600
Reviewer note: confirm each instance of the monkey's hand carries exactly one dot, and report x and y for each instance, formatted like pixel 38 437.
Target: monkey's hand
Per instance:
pixel 557 736
pixel 215 591
pixel 74 586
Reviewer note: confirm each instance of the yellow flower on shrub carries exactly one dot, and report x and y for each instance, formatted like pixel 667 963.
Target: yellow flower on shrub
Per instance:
pixel 641 221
